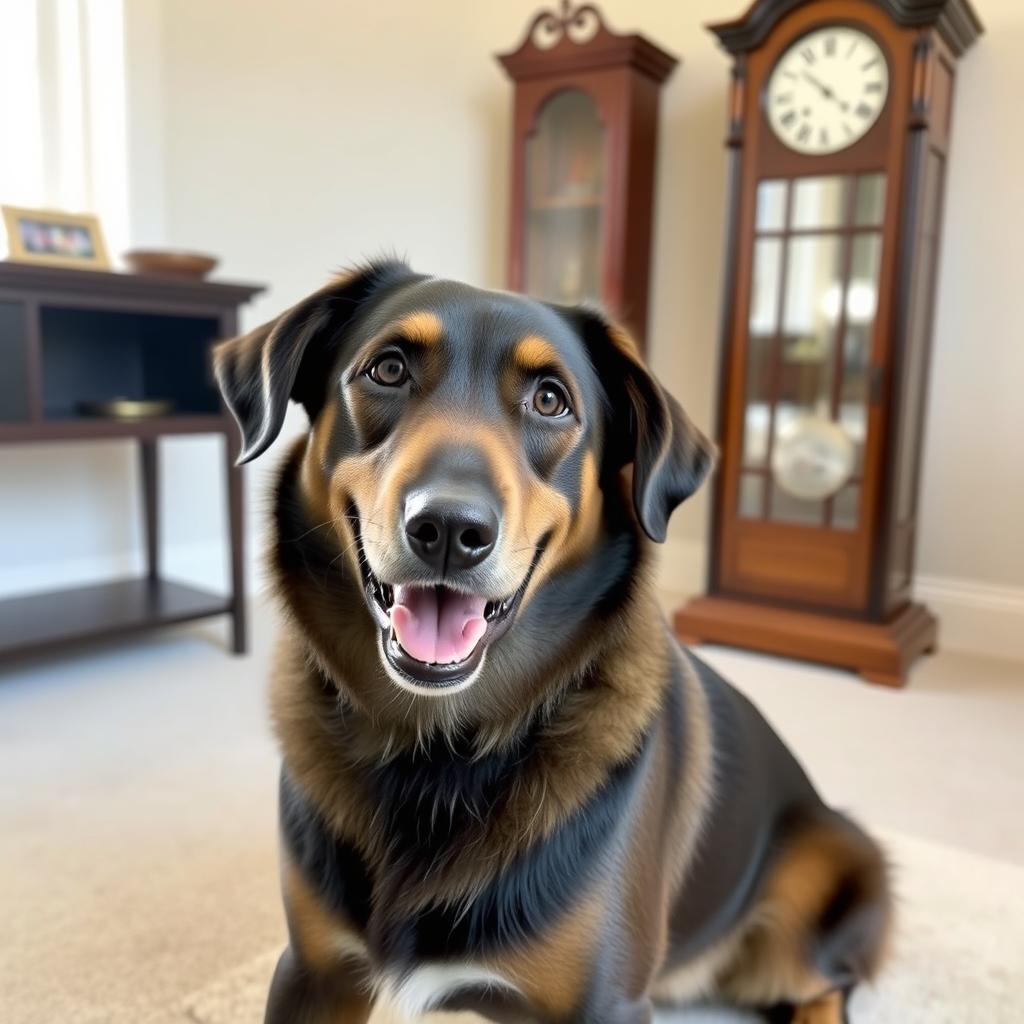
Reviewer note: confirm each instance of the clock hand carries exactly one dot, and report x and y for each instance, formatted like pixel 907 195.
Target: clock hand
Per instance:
pixel 824 89
pixel 828 93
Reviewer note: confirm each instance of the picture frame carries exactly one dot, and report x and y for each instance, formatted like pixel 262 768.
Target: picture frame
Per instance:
pixel 55 238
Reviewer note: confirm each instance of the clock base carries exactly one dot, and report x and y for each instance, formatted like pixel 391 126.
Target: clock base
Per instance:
pixel 880 653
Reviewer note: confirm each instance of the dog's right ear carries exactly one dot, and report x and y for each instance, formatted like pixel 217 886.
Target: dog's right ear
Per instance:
pixel 290 356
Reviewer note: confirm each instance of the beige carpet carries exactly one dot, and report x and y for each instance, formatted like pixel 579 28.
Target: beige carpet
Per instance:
pixel 958 956
pixel 138 859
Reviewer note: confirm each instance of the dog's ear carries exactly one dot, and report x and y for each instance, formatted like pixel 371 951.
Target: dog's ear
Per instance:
pixel 290 357
pixel 646 427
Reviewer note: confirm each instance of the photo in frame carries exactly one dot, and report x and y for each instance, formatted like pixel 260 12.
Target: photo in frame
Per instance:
pixel 55 238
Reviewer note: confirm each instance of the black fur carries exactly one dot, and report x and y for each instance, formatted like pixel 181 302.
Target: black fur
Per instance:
pixel 332 865
pixel 769 797
pixel 427 801
pixel 297 349
pixel 670 456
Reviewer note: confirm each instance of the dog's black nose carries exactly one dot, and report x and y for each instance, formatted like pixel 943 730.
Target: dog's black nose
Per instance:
pixel 450 533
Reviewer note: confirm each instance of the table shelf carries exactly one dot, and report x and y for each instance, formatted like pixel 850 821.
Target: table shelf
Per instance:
pixel 69 337
pixel 91 428
pixel 44 621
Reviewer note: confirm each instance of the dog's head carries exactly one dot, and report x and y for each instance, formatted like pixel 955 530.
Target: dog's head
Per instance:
pixel 466 447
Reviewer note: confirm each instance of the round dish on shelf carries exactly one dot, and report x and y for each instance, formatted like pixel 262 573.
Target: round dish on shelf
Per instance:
pixel 128 408
pixel 169 262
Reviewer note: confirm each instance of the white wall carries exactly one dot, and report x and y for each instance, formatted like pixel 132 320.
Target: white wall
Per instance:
pixel 293 138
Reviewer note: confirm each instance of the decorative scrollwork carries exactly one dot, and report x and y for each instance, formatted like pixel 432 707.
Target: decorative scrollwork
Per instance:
pixel 578 24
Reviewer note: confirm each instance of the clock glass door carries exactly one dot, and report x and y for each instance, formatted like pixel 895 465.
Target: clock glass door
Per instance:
pixel 564 210
pixel 817 250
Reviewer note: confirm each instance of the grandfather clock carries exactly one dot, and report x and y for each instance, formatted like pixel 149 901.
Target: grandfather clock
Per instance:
pixel 584 139
pixel 839 133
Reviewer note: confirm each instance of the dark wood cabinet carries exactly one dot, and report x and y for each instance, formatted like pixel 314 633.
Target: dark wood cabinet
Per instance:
pixel 839 134
pixel 72 338
pixel 585 128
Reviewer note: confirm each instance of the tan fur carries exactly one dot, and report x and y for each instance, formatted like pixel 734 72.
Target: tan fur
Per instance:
pixel 578 540
pixel 376 481
pixel 335 712
pixel 697 978
pixel 421 328
pixel 662 849
pixel 553 969
pixel 321 938
pixel 536 353
pixel 698 785
pixel 770 962
pixel 827 1010
pixel 590 729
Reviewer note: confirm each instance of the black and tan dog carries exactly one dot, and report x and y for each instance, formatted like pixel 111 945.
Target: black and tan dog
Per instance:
pixel 505 787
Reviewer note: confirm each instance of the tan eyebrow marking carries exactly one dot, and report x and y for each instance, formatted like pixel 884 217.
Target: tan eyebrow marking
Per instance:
pixel 421 328
pixel 535 353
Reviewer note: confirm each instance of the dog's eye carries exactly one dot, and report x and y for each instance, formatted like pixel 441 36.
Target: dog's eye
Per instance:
pixel 389 370
pixel 550 399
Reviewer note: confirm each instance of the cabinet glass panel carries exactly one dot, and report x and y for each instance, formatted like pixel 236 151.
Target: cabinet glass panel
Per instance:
pixel 787 508
pixel 870 208
pixel 771 205
pixel 813 296
pixel 819 202
pixel 764 318
pixel 565 178
pixel 861 305
pixel 808 355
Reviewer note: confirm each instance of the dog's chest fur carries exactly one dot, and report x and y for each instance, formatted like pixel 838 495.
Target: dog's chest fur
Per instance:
pixel 430 809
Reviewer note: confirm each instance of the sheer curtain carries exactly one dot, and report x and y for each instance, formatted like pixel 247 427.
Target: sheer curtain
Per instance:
pixel 63 140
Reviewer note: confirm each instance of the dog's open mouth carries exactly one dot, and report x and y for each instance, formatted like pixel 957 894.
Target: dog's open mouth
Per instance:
pixel 433 634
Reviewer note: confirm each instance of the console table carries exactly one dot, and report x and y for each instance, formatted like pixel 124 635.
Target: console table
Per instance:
pixel 69 337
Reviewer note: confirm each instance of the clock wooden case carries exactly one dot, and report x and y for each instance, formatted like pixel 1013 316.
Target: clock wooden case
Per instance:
pixel 585 127
pixel 839 133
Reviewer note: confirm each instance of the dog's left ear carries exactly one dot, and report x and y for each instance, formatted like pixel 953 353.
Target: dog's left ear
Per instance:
pixel 647 427
pixel 290 357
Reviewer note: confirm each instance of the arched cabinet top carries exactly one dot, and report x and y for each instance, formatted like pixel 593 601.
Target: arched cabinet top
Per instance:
pixel 955 20
pixel 576 38
pixel 536 110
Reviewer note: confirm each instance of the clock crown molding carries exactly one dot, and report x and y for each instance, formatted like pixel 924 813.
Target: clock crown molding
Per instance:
pixel 955 20
pixel 576 38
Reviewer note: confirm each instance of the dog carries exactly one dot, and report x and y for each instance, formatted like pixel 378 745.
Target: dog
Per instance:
pixel 505 787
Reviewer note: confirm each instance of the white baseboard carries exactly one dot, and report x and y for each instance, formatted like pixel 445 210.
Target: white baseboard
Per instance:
pixel 987 618
pixel 983 618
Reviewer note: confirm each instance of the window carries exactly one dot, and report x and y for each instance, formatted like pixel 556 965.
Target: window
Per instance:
pixel 62 109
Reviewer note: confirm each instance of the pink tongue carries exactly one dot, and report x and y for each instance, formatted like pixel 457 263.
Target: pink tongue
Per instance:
pixel 437 626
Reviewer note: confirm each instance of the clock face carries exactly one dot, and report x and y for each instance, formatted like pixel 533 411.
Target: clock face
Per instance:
pixel 827 90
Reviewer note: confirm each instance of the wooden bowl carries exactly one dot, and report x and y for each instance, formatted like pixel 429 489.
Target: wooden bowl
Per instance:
pixel 128 408
pixel 168 263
